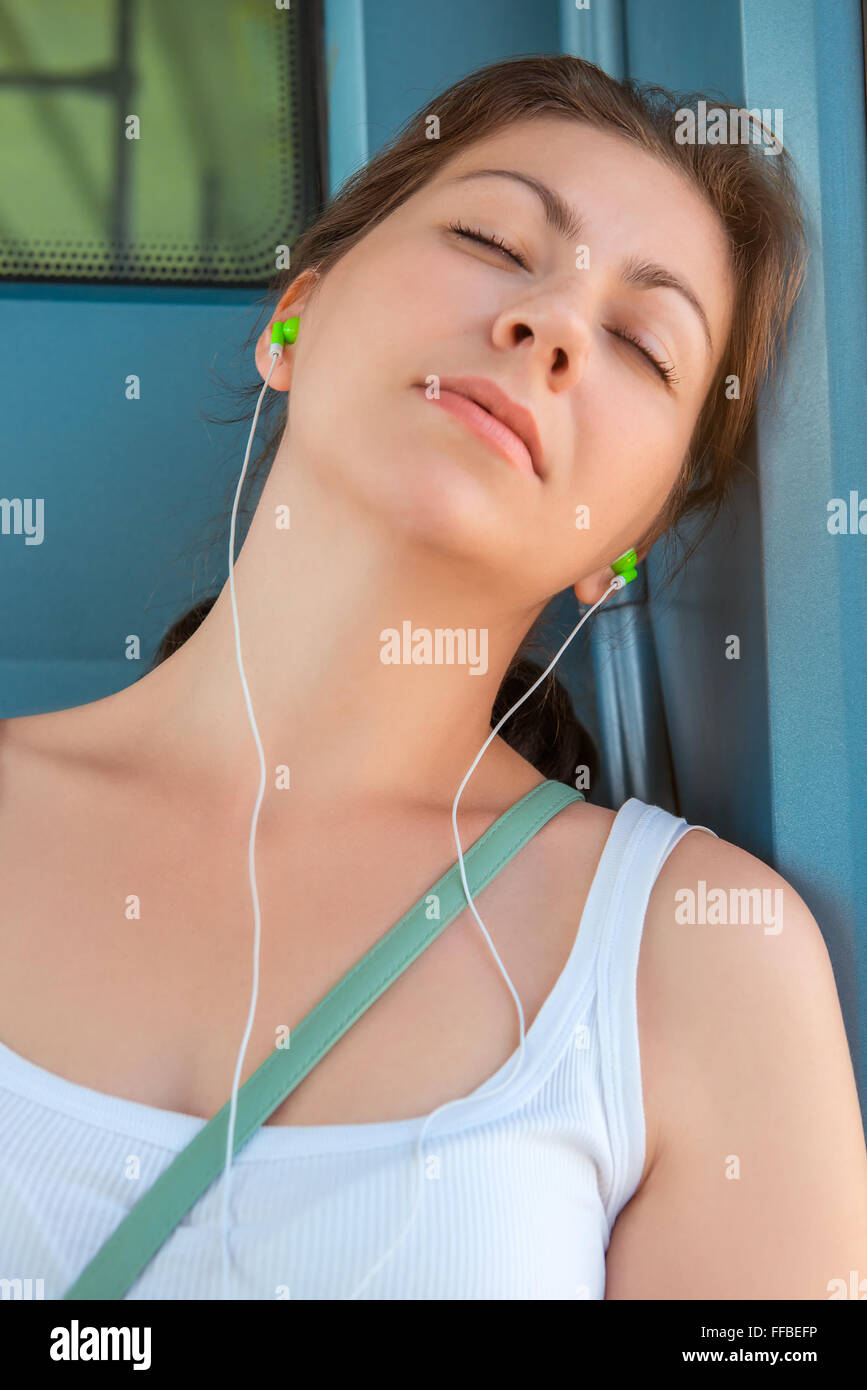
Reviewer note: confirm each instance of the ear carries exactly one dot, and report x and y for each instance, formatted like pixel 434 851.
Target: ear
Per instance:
pixel 292 304
pixel 590 589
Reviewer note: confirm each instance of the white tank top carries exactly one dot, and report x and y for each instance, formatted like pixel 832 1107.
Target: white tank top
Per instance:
pixel 520 1189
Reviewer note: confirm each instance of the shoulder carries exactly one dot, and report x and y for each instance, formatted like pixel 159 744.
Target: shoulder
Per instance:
pixel 35 753
pixel 749 1092
pixel 36 737
pixel 719 915
pixel 79 741
pixel 730 953
pixel 709 882
pixel 570 846
pixel 570 841
pixel 54 760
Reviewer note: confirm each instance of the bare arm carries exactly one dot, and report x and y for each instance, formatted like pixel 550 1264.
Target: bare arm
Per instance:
pixel 756 1181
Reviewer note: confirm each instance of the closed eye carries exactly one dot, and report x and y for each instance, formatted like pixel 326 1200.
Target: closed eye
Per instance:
pixel 474 234
pixel 665 369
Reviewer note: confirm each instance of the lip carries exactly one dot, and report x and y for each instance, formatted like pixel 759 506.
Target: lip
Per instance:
pixel 506 424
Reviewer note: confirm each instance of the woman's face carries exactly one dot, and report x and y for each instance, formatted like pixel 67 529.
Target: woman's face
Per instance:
pixel 416 303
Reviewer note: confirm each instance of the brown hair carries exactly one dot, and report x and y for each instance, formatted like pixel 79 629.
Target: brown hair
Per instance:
pixel 755 196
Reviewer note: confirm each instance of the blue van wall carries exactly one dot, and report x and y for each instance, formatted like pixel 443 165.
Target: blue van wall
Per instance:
pixel 769 751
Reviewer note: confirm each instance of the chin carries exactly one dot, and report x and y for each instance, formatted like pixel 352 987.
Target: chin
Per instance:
pixel 447 500
pixel 425 488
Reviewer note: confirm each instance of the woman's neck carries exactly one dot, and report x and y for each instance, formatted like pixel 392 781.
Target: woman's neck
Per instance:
pixel 372 661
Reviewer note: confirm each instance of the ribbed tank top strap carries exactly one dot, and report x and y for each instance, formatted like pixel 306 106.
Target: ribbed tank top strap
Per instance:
pixel 640 841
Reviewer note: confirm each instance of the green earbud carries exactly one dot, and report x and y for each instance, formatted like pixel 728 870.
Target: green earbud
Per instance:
pixel 625 564
pixel 283 333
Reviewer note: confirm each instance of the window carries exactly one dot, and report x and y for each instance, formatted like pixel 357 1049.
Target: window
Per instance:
pixel 146 141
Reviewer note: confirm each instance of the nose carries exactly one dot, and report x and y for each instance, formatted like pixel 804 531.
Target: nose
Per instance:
pixel 553 328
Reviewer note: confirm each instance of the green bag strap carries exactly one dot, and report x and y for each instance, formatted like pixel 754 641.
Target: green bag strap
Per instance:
pixel 138 1237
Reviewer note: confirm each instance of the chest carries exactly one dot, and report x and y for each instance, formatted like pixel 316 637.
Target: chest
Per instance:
pixel 128 939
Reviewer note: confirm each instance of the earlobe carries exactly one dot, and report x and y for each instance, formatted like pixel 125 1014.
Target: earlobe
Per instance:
pixel 281 370
pixel 591 589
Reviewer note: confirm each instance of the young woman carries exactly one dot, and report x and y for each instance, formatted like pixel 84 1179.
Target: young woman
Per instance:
pixel 684 1123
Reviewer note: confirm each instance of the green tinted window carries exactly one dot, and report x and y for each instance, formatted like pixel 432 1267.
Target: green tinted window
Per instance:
pixel 153 141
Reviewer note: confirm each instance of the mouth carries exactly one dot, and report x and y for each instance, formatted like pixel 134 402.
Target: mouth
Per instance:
pixel 495 418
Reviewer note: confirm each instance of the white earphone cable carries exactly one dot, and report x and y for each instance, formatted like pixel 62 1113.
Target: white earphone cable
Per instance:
pixel 230 1138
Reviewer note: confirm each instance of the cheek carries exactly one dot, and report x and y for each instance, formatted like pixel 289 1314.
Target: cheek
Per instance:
pixel 384 329
pixel 390 318
pixel 421 292
pixel 646 435
pixel 626 466
pixel 397 289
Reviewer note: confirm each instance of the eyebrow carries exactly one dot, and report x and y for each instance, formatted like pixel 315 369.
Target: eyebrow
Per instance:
pixel 646 275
